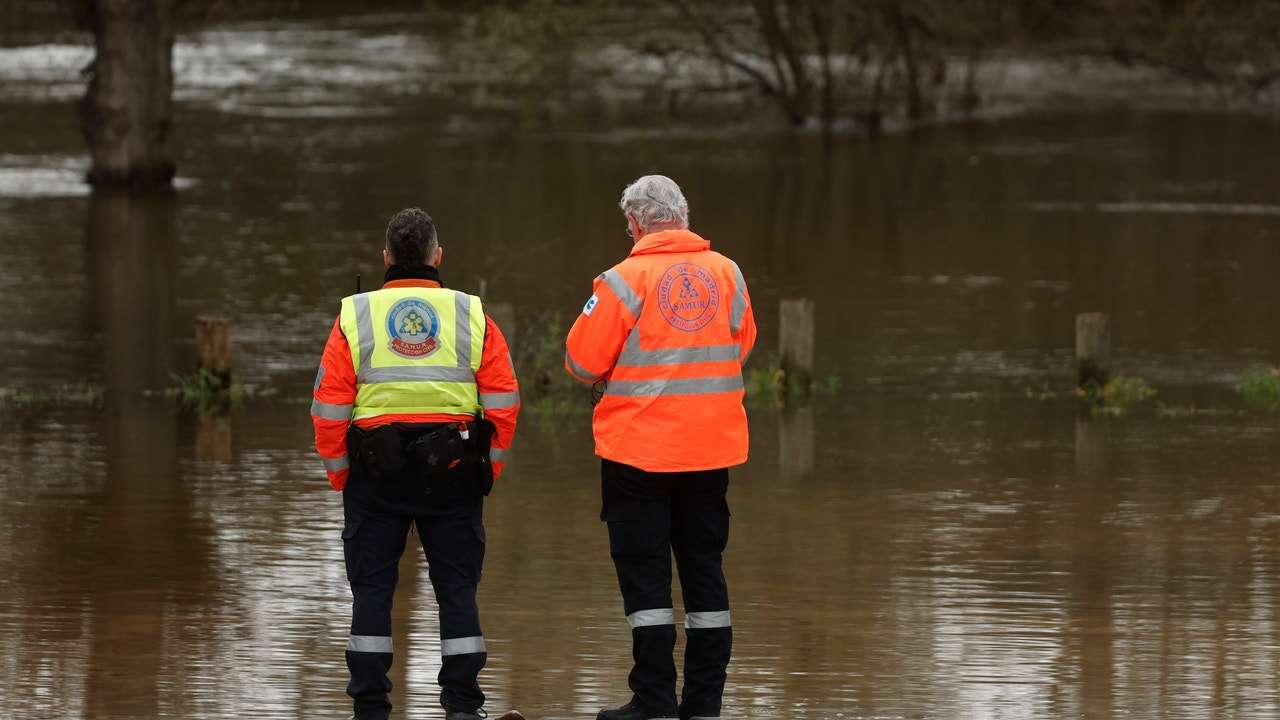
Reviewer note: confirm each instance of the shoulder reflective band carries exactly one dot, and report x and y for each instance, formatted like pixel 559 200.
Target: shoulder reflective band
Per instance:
pixel 364 328
pixel 462 646
pixel 646 618
pixel 369 644
pixel 706 620
pixel 497 401
pixel 334 465
pixel 462 323
pixel 633 356
pixel 319 377
pixel 578 371
pixel 497 454
pixel 328 411
pixel 686 386
pixel 739 307
pixel 614 280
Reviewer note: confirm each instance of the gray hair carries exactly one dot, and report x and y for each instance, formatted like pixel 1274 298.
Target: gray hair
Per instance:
pixel 655 201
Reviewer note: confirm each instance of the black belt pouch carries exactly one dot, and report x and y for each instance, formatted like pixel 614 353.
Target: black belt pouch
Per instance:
pixel 382 452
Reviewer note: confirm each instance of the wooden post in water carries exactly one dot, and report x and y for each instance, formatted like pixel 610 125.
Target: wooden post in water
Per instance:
pixel 1093 348
pixel 213 348
pixel 795 341
pixel 504 315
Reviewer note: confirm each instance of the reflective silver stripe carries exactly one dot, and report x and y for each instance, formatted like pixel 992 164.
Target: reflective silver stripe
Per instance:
pixel 336 464
pixel 497 454
pixel 686 386
pixel 418 373
pixel 739 307
pixel 364 326
pixel 578 371
pixel 369 644
pixel 319 377
pixel 462 323
pixel 462 646
pixel 614 280
pixel 496 401
pixel 645 618
pixel 328 411
pixel 707 620
pixel 633 356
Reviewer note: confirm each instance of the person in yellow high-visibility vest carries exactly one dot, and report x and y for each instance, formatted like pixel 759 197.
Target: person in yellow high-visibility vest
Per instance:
pixel 414 408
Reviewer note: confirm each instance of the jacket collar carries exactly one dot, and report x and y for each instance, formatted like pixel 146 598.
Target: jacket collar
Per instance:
pixel 399 276
pixel 670 241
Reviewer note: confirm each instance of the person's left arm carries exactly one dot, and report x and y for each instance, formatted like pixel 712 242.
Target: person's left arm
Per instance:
pixel 499 393
pixel 332 400
pixel 597 336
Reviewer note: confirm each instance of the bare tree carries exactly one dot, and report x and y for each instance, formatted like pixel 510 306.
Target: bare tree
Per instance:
pixel 126 112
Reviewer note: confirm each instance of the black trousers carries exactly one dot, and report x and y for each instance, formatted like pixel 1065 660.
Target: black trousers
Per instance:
pixel 650 517
pixel 378 514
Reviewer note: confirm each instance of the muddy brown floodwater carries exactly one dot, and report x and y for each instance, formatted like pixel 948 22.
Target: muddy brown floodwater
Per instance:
pixel 926 543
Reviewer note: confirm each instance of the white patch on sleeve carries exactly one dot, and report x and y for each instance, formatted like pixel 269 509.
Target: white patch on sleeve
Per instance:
pixel 591 305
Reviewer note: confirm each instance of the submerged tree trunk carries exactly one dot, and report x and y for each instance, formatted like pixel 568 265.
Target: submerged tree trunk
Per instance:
pixel 126 110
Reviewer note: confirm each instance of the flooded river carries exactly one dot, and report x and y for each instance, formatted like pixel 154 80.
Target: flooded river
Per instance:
pixel 928 542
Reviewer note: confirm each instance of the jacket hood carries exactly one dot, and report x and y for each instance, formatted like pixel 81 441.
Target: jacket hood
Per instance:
pixel 670 241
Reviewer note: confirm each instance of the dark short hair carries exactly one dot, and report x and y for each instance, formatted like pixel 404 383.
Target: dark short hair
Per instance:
pixel 410 236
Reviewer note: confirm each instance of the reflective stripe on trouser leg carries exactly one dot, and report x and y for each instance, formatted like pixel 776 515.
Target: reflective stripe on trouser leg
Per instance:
pixel 372 546
pixel 369 644
pixel 636 506
pixel 699 534
pixel 462 646
pixel 706 620
pixel 454 545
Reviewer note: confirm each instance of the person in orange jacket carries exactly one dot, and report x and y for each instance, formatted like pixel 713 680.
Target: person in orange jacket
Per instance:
pixel 664 336
pixel 414 407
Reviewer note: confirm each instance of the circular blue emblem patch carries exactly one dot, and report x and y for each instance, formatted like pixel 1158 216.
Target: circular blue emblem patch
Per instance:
pixel 412 326
pixel 688 297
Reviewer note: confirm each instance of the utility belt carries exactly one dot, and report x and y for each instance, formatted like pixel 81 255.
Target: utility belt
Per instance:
pixel 455 452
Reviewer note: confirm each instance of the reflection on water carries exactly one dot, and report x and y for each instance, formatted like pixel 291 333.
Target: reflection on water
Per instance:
pixel 926 543
pixel 960 564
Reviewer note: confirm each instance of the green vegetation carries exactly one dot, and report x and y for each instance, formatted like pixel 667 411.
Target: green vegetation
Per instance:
pixel 207 391
pixel 769 381
pixel 546 389
pixel 1191 411
pixel 68 395
pixel 1117 397
pixel 1260 388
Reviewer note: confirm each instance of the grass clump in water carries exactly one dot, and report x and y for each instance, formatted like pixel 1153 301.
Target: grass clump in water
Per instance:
pixel 207 391
pixel 769 380
pixel 68 395
pixel 1117 397
pixel 1177 412
pixel 1260 388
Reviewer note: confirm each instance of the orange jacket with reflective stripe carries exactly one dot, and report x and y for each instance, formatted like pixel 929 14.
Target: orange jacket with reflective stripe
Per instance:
pixel 335 394
pixel 667 329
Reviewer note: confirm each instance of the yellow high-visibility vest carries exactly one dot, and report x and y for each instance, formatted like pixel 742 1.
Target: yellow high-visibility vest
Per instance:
pixel 415 350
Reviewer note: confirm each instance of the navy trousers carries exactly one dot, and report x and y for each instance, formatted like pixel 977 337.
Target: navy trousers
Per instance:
pixel 378 514
pixel 650 517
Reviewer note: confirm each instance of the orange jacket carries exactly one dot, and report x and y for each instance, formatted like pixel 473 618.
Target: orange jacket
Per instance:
pixel 668 329
pixel 336 386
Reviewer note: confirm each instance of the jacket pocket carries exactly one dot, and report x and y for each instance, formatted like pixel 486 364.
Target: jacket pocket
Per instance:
pixel 351 549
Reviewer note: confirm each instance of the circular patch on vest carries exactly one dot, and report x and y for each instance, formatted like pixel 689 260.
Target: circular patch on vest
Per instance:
pixel 688 297
pixel 412 326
